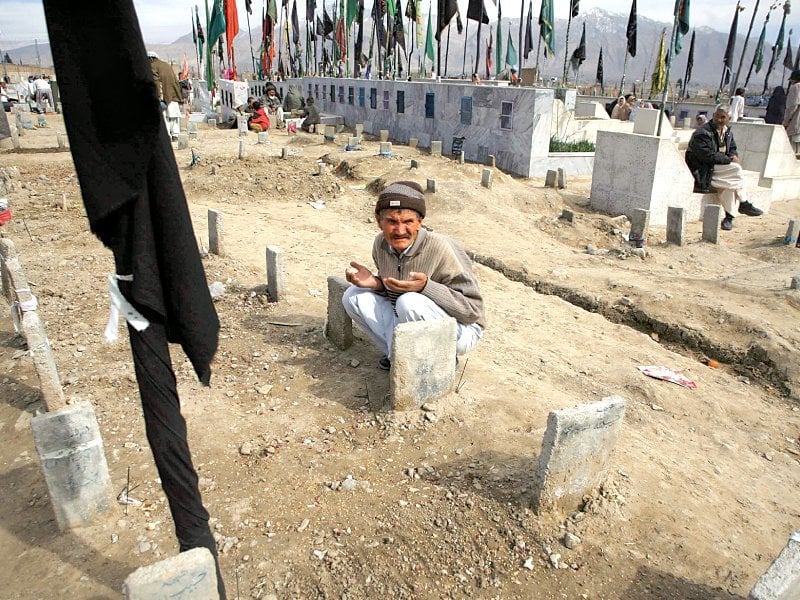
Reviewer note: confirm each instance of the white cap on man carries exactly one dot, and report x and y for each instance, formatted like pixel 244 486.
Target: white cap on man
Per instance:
pixel 152 54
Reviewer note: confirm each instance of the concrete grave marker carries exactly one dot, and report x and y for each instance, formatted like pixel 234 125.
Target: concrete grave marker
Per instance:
pixel 241 124
pixel 461 157
pixel 339 325
pixel 491 161
pixel 183 141
pixel 414 164
pixel 431 186
pixel 676 225
pixel 44 362
pixel 486 178
pixel 687 123
pixel 386 149
pixel 284 153
pixel 795 283
pixel 567 215
pixel 70 449
pixel 640 223
pixel 276 284
pixel 712 221
pixel 436 148
pixel 423 362
pixel 212 123
pixel 330 133
pixel 551 179
pixel 215 232
pixel 413 142
pixel 263 137
pixel 353 141
pixel 59 139
pixel 562 178
pixel 359 129
pixel 384 135
pixel 781 581
pixel 191 129
pixel 241 149
pixel 182 123
pixel 792 232
pixel 191 575
pixel 575 452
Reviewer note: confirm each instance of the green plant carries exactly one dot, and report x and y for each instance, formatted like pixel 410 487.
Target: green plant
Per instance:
pixel 557 145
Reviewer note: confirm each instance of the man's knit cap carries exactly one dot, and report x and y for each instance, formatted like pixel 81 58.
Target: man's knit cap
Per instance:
pixel 402 194
pixel 795 76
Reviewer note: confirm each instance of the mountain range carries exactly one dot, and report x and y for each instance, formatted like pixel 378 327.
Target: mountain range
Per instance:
pixel 603 29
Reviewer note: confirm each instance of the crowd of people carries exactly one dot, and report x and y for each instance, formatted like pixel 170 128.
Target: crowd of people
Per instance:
pixel 263 113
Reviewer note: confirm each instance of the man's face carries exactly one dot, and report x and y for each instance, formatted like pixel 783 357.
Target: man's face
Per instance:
pixel 400 227
pixel 271 93
pixel 721 119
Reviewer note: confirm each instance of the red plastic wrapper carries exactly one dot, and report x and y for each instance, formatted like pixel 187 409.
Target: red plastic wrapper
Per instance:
pixel 5 216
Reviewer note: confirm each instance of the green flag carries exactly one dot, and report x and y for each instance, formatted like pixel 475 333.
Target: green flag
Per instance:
pixel 758 57
pixel 217 25
pixel 429 39
pixel 499 49
pixel 546 22
pixel 659 78
pixel 682 10
pixel 511 52
pixel 391 9
pixel 272 12
pixel 210 80
pixel 352 12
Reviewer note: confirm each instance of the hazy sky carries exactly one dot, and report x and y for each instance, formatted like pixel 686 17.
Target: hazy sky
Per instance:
pixel 162 21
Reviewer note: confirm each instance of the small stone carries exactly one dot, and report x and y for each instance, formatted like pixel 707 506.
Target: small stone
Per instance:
pixel 349 484
pixel 216 289
pixel 528 564
pixel 114 538
pixel 428 407
pixel 590 249
pixel 246 449
pixel 768 456
pixel 264 390
pixel 143 547
pixel 303 525
pixel 571 540
pixel 430 417
pixel 330 429
pixel 354 363
pixel 656 407
pixel 554 558
pixel 625 301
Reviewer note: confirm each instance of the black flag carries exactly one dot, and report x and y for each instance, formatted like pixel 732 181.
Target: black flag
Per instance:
pixel 477 11
pixel 447 10
pixel 248 6
pixel 579 54
pixel 377 19
pixel 787 60
pixel 311 8
pixel 689 63
pixel 295 24
pixel 527 46
pixel 730 48
pixel 632 30
pixel 599 75
pixel 320 28
pixel 411 10
pixel 327 24
pixel 398 36
pixel 573 8
pixel 359 43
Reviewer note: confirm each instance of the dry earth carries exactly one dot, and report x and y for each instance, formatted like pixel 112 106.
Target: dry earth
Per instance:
pixel 702 492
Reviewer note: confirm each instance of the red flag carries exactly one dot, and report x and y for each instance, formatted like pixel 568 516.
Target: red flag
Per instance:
pixel 231 29
pixel 341 38
pixel 184 74
pixel 489 58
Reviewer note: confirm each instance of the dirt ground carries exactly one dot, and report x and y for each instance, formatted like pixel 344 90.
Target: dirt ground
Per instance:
pixel 702 491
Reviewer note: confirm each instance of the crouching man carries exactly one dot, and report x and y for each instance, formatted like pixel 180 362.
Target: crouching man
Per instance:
pixel 421 276
pixel 714 163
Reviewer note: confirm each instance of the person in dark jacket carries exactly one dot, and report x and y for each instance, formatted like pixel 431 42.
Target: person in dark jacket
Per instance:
pixel 776 106
pixel 714 163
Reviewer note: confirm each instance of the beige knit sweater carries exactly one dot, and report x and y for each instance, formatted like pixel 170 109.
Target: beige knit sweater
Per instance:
pixel 451 282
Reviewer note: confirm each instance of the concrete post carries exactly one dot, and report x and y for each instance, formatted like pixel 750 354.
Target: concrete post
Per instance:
pixel 575 452
pixel 241 149
pixel 59 140
pixel 263 137
pixel 212 123
pixel 241 125
pixel 183 141
pixel 792 232
pixel 354 141
pixel 436 148
pixel 562 178
pixel 491 161
pixel 795 284
pixel 423 362
pixel 386 149
pixel 781 581
pixel 384 135
pixel 551 179
pixel 712 220
pixel 15 137
pixel 284 153
pixel 431 186
pixel 275 275
pixel 676 225
pixel 486 178
pixel 640 222
pixel 414 164
pixel 7 252
pixel 322 168
pixel 339 325
pixel 359 129
pixel 215 232
pixel 191 129
pixel 44 362
pixel 191 575
pixel 413 142
pixel 70 449
pixel 461 157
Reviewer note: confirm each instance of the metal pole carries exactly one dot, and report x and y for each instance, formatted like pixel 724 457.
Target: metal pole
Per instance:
pixel 624 66
pixel 669 64
pixel 447 50
pixel 478 52
pixel 744 49
pixel 566 50
pixel 250 35
pixel 519 45
pixel 464 62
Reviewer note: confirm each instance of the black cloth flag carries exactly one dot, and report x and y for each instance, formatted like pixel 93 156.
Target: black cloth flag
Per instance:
pixel 599 75
pixel 527 45
pixel 573 8
pixel 631 31
pixel 787 59
pixel 135 204
pixel 411 10
pixel 477 11
pixel 728 59
pixel 311 8
pixel 327 23
pixel 447 10
pixel 689 62
pixel 295 24
pixel 579 54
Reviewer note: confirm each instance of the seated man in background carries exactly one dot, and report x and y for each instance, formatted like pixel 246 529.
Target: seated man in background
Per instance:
pixel 312 115
pixel 421 276
pixel 273 105
pixel 714 163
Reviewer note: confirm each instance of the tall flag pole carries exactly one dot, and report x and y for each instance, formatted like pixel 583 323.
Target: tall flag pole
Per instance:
pixel 679 25
pixel 599 75
pixel 758 55
pixel 573 12
pixel 248 5
pixel 579 55
pixel 727 60
pixel 429 39
pixel 631 49
pixel 411 15
pixel 477 12
pixel 519 40
pixel 546 31
pixel 499 49
pixel 689 66
pixel 778 47
pixel 447 10
pixel 744 49
pixel 787 60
